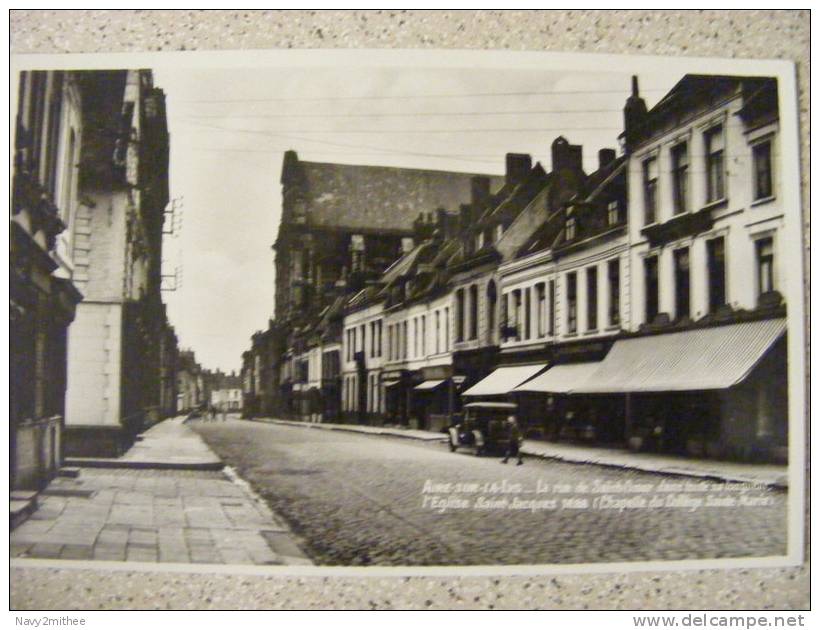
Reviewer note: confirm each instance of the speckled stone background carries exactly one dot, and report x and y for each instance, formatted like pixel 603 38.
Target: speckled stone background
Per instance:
pixel 749 34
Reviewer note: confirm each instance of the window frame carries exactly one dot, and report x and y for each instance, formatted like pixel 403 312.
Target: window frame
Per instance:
pixel 592 298
pixel 767 141
pixel 680 177
pixel 650 184
pixel 716 129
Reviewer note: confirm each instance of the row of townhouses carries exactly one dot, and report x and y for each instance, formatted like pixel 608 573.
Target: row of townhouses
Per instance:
pixel 640 304
pixel 92 354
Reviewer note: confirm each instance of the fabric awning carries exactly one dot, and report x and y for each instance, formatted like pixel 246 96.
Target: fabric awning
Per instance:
pixel 504 379
pixel 560 379
pixel 708 358
pixel 391 383
pixel 428 385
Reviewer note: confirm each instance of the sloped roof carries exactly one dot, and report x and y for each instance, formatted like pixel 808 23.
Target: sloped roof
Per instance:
pixel 376 197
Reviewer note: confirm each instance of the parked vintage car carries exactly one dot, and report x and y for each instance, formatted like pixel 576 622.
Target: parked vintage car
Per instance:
pixel 483 428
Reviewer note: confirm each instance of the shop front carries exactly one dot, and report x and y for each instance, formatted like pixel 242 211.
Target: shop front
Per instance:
pixel 434 398
pixel 717 391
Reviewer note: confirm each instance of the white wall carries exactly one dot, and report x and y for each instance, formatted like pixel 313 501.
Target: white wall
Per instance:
pixel 94 361
pixel 740 220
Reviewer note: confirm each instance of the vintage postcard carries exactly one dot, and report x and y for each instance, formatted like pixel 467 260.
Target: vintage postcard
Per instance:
pixel 419 312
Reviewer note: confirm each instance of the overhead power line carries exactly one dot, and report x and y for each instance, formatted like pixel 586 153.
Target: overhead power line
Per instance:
pixel 410 114
pixel 387 97
pixel 423 131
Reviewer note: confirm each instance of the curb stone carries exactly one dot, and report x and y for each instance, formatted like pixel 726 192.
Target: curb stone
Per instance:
pixel 780 483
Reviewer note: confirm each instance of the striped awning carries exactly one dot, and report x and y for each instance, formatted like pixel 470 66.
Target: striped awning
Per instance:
pixel 560 379
pixel 704 359
pixel 504 380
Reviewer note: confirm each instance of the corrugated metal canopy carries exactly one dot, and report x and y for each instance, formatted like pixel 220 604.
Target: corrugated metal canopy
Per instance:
pixel 504 379
pixel 426 385
pixel 707 358
pixel 560 379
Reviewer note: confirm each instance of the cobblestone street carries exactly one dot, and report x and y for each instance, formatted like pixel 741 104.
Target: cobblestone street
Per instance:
pixel 358 500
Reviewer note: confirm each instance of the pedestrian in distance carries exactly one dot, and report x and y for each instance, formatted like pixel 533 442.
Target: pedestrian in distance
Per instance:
pixel 513 441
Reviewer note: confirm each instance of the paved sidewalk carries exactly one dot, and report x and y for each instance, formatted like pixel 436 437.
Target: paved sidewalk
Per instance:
pixel 771 475
pixel 135 512
pixel 168 444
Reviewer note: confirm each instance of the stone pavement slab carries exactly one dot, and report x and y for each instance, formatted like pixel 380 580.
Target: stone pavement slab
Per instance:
pixel 771 475
pixel 146 515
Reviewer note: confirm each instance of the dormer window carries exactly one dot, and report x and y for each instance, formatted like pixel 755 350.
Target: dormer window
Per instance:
pixel 612 212
pixel 357 248
pixel 570 228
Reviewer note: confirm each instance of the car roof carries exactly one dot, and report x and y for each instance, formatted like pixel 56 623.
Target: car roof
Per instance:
pixel 490 405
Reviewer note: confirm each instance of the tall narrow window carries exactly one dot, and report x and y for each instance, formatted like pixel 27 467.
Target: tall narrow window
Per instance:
pixel 541 312
pixel 438 332
pixel 527 312
pixel 473 311
pixel 762 158
pixel 572 303
pixel 650 190
pixel 551 329
pixel 682 283
pixel 505 314
pixel 650 267
pixel 715 175
pixel 765 265
pixel 517 314
pixel 613 213
pixel 592 298
pixel 570 228
pixel 423 336
pixel 614 275
pixel 680 177
pixel 389 342
pixel 716 261
pixel 491 305
pixel 459 315
pixel 446 328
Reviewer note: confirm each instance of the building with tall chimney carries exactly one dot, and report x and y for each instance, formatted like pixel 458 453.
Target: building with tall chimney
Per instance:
pixel 342 226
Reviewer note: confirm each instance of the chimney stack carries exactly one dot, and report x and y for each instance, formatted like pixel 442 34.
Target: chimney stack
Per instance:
pixel 605 157
pixel 566 156
pixel 518 167
pixel 479 190
pixel 634 115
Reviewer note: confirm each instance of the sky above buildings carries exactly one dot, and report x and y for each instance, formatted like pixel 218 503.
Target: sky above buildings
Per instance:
pixel 230 127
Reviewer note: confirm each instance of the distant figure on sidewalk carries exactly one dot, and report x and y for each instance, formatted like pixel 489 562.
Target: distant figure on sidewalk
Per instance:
pixel 513 441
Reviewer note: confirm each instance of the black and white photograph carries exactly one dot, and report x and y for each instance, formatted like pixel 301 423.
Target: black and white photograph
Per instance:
pixel 411 312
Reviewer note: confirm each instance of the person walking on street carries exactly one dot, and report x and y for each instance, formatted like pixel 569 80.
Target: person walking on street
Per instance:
pixel 513 441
